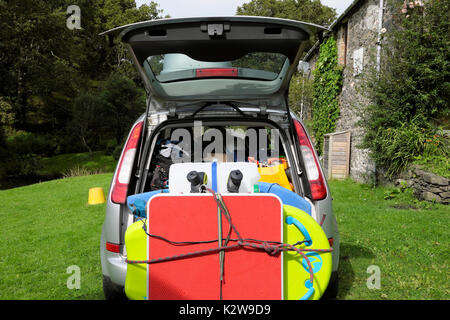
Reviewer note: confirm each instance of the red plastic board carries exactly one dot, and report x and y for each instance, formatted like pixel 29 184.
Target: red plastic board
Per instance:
pixel 248 273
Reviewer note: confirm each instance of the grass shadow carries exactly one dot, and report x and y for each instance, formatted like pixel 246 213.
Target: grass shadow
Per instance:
pixel 348 253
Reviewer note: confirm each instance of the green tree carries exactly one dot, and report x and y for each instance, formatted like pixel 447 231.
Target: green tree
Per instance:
pixel 410 94
pixel 124 102
pixel 44 65
pixel 311 11
pixel 93 55
pixel 34 49
pixel 6 122
pixel 88 110
pixel 115 13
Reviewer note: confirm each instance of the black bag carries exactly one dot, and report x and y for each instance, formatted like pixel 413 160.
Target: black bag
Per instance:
pixel 160 174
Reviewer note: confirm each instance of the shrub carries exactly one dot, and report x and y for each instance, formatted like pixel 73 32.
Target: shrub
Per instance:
pixel 399 147
pixel 80 171
pixel 20 166
pixel 27 143
pixel 410 94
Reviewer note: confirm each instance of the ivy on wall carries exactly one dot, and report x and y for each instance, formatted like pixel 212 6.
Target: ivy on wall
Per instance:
pixel 326 89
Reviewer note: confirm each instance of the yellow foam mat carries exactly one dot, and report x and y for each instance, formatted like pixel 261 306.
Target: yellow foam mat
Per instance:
pixel 136 245
pixel 295 267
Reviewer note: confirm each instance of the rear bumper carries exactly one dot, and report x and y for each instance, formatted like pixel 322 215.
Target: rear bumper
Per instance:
pixel 114 265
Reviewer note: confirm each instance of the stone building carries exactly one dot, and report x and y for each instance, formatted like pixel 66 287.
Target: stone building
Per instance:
pixel 358 32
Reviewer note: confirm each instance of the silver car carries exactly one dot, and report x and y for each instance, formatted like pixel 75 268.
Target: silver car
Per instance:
pixel 230 74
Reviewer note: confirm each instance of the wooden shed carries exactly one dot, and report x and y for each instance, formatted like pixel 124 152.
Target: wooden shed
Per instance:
pixel 336 155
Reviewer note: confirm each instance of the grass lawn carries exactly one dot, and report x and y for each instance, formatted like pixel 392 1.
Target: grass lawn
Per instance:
pixel 62 164
pixel 48 227
pixel 408 240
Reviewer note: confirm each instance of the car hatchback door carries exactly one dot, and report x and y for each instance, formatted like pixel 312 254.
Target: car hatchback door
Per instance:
pixel 241 59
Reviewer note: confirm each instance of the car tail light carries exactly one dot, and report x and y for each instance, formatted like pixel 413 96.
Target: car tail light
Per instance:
pixel 113 247
pixel 316 180
pixel 120 188
pixel 331 241
pixel 216 72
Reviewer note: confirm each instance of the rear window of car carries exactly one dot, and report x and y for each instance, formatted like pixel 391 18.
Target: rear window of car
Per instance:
pixel 177 67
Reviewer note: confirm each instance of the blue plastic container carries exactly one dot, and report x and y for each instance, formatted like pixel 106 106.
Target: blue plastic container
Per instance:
pixel 288 197
pixel 137 202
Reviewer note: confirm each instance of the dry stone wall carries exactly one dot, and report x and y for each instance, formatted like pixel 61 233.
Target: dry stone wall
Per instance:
pixel 426 185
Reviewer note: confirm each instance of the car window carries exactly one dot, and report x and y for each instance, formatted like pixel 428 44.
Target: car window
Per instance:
pixel 176 67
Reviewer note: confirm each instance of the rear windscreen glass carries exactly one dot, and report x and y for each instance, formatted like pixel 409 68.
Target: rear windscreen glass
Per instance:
pixel 175 67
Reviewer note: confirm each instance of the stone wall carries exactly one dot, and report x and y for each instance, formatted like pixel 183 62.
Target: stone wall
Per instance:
pixel 357 35
pixel 426 185
pixel 359 32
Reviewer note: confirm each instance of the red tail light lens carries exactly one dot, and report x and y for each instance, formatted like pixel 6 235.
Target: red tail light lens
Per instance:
pixel 331 241
pixel 112 247
pixel 216 72
pixel 120 188
pixel 316 180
